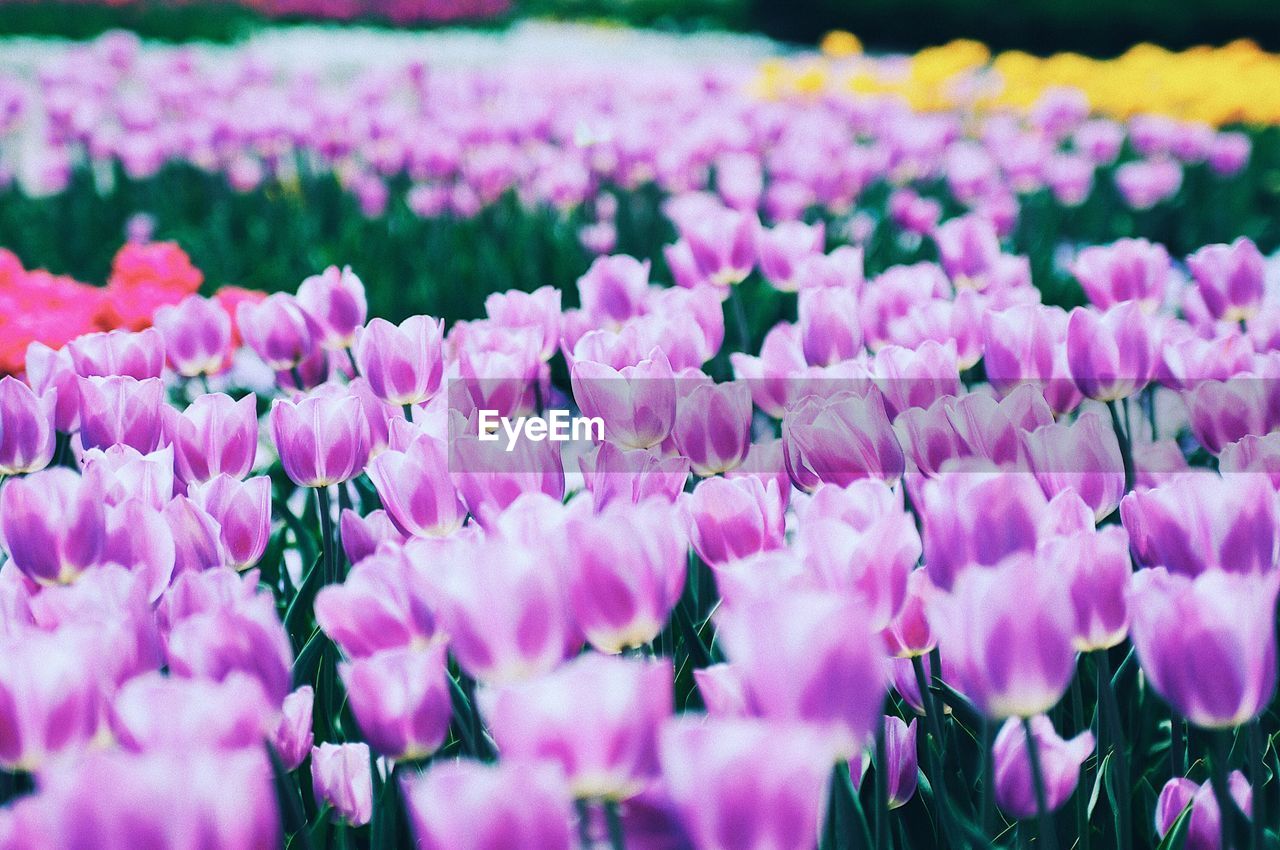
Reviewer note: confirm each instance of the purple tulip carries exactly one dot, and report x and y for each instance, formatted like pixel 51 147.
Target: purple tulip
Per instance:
pixel 128 474
pixel 1231 279
pixel 1111 354
pixel 121 410
pixel 53 370
pixel 1027 344
pixel 464 805
pixel 829 328
pixel 1083 456
pixel 400 699
pixel 842 268
pixel 969 248
pixel 770 375
pixel 403 364
pixel 1229 153
pixel 1007 634
pixel 1204 828
pixel 746 784
pixel 713 427
pixel 901 765
pixel 197 537
pixel 321 440
pixel 1207 644
pixel 1059 763
pixel 341 777
pixel 500 370
pixel 784 248
pixel 731 519
pixel 106 354
pixel 27 427
pixel 723 691
pixel 723 244
pixel 246 637
pixel 278 330
pixel 1125 270
pixel 909 635
pixel 53 524
pixel 214 435
pixel 416 489
pixel 505 611
pixel 637 403
pixel 537 311
pixel 156 712
pixel 858 541
pixel 839 439
pixel 489 478
pixel 197 335
pixel 50 700
pixel 1199 522
pixel 384 603
pixel 292 738
pixel 626 570
pixel 631 475
pixel 1147 182
pixel 335 300
pixel 623 702
pixel 362 536
pixel 243 512
pixel 809 656
pixel 614 288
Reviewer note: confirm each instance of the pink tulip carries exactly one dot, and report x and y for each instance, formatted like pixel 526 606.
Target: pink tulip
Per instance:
pixel 156 712
pixel 489 478
pixel 335 301
pixel 1125 270
pixel 384 603
pixel 400 699
pixel 1083 456
pixel 731 519
pixel 137 355
pixel 278 330
pixel 197 335
pixel 1231 279
pixel 321 440
pixel 1111 354
pixel 829 328
pixel 1027 344
pixel 416 489
pixel 614 288
pixel 121 410
pixel 246 637
pixel 49 697
pixel 631 475
pixel 840 439
pixel 197 537
pixel 1059 765
pixel 27 427
pixel 916 378
pixel 723 244
pixel 53 524
pixel 53 370
pixel 243 512
pixel 637 403
pixel 1204 827
pixel 969 249
pixel 292 738
pixel 623 702
pixel 213 435
pixel 537 311
pixel 770 375
pixel 361 536
pixel 784 248
pixel 341 777
pixel 403 364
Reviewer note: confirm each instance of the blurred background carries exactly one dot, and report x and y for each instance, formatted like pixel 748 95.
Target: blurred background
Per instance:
pixel 1092 27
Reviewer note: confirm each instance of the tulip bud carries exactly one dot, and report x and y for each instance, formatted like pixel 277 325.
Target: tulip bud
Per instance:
pixel 917 377
pixel 713 427
pixel 840 439
pixel 157 712
pixel 779 809
pixel 361 536
pixel 47 370
pixel 1204 828
pixel 735 518
pixel 1125 270
pixel 1027 344
pixel 1097 568
pixel 403 364
pixel 321 440
pixel 1059 763
pixel 637 403
pixel 400 698
pixel 383 603
pixel 784 248
pixel 537 311
pixel 416 489
pixel 246 637
pixel 213 435
pixel 341 776
pixel 1083 456
pixel 631 475
pixel 1111 354
pixel 53 524
pixel 197 335
pixel 27 427
pixel 901 765
pixel 969 248
pixel 335 300
pixel 243 512
pixel 292 739
pixel 829 328
pixel 614 288
pixel 118 353
pixel 1231 279
pixel 121 410
pixel 197 537
pixel 723 244
pixel 278 330
pixel 622 701
pixel 489 478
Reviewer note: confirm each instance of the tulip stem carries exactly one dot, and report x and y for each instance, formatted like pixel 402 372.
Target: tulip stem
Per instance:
pixel 986 800
pixel 408 412
pixel 1082 721
pixel 617 836
pixel 1221 791
pixel 1111 732
pixel 1257 773
pixel 1177 744
pixel 933 737
pixel 326 535
pixel 1048 838
pixel 351 357
pixel 1126 445
pixel 882 790
pixel 739 310
pixel 584 824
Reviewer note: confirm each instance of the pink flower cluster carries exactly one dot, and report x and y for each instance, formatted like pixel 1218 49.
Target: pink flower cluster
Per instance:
pixel 394 11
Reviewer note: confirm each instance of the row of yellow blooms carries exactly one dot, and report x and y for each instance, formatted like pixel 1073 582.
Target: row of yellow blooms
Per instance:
pixel 1238 83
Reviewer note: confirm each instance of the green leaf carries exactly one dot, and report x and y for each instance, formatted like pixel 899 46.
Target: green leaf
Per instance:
pixel 1176 837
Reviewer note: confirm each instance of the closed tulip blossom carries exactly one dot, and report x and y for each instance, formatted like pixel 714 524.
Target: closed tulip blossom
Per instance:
pixel 197 336
pixel 1008 636
pixel 809 656
pixel 909 634
pixel 156 712
pixel 1027 345
pixel 614 288
pixel 321 440
pixel 463 805
pixel 1059 763
pixel 403 364
pixel 197 537
pixel 771 374
pixel 1204 826
pixel 626 571
pixel 746 784
pixel 246 637
pixel 1207 644
pixel 53 524
pixel 537 311
pixel 631 475
pixel 292 738
pixel 1231 279
pixel 489 478
pixel 723 244
pixel 1097 568
pixel 50 701
pixel 119 353
pixel 637 403
pixel 400 699
pixel 713 427
pixel 341 777
pixel 384 603
pixel 48 370
pixel 839 439
pixel 416 488
pixel 1083 456
pixel 243 512
pixel 278 330
pixel 361 536
pixel 1111 354
pixel 901 767
pixel 214 435
pixel 622 701
pixel 784 248
pixel 734 518
pixel 1125 270
pixel 27 427
pixel 829 327
pixel 335 300
pixel 121 410
pixel 917 377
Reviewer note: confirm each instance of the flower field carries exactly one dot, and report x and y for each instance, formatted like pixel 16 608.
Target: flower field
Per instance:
pixel 578 439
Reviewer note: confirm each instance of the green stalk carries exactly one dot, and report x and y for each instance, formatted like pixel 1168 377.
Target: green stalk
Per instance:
pixel 1082 802
pixel 1112 732
pixel 1177 744
pixel 882 791
pixel 987 801
pixel 1257 773
pixel 617 836
pixel 1221 791
pixel 933 737
pixel 1048 838
pixel 1126 446
pixel 326 535
pixel 584 824
pixel 740 325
